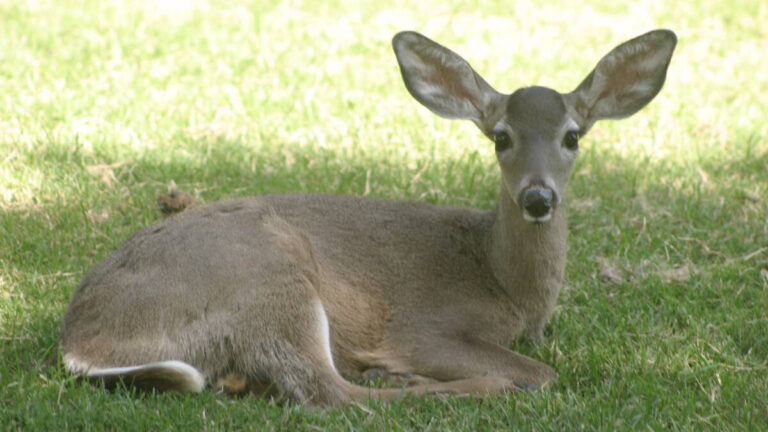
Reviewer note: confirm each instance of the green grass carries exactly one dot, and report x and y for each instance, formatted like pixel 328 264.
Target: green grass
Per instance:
pixel 103 104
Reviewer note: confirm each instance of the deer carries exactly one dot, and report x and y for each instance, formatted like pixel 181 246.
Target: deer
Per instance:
pixel 303 297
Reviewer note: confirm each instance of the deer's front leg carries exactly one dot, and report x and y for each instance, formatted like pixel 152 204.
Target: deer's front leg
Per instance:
pixel 447 359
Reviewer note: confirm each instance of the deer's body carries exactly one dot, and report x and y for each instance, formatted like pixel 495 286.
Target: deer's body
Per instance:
pixel 346 251
pixel 295 291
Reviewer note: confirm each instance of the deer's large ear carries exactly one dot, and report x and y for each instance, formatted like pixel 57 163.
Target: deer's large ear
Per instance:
pixel 443 81
pixel 625 80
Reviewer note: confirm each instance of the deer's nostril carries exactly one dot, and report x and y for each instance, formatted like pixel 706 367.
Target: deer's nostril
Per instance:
pixel 537 202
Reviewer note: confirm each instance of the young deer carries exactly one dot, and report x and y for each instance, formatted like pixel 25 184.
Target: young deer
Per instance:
pixel 291 293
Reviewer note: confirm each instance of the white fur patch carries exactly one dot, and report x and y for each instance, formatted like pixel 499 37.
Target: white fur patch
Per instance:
pixel 570 124
pixel 540 219
pixel 75 365
pixel 325 331
pixel 193 379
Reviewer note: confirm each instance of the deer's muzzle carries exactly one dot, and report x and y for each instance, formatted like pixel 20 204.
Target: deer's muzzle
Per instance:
pixel 538 204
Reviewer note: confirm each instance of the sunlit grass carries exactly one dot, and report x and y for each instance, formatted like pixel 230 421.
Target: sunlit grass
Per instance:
pixel 106 103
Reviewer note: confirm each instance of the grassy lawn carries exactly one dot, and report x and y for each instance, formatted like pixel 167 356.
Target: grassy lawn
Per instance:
pixel 663 320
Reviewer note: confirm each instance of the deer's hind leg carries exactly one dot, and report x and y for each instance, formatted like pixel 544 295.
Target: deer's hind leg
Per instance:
pixel 291 359
pixel 280 333
pixel 298 366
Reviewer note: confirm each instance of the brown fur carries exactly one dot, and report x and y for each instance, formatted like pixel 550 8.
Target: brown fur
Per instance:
pixel 244 291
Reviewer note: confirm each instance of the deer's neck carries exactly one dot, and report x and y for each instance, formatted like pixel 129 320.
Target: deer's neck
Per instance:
pixel 528 260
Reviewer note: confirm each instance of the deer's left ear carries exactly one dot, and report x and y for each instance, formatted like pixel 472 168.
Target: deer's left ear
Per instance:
pixel 625 80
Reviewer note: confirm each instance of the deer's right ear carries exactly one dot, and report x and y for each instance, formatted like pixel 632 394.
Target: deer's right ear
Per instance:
pixel 443 81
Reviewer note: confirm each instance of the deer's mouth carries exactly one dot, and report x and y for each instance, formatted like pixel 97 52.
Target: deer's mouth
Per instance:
pixel 541 220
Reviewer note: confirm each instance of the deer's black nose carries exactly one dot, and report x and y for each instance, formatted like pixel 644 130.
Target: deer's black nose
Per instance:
pixel 537 201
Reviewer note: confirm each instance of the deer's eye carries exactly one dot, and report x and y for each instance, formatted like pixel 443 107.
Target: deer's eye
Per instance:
pixel 571 140
pixel 502 141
